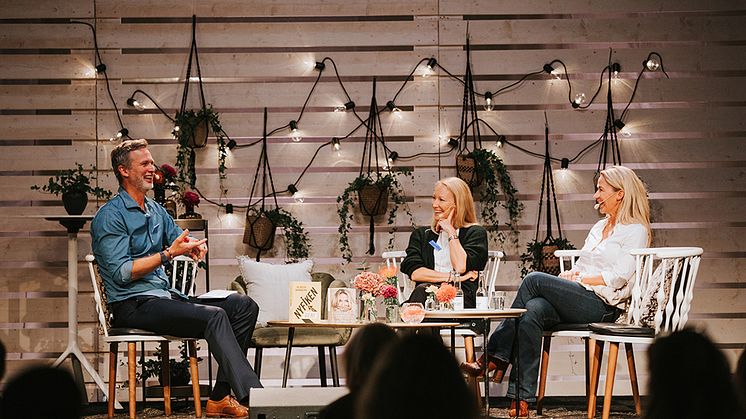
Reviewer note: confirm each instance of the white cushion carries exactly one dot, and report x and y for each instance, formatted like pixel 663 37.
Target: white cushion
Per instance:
pixel 268 285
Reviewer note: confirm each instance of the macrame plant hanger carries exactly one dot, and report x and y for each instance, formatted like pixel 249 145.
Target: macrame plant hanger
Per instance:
pixel 198 132
pixel 373 199
pixel 466 166
pixel 259 232
pixel 548 262
pixel 609 140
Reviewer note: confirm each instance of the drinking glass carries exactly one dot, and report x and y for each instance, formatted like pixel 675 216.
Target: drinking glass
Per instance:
pixel 498 300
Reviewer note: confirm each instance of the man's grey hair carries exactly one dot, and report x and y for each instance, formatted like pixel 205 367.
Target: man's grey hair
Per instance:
pixel 120 155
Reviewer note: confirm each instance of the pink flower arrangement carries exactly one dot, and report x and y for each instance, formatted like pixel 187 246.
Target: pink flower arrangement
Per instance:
pixel 388 272
pixel 190 198
pixel 446 293
pixel 369 282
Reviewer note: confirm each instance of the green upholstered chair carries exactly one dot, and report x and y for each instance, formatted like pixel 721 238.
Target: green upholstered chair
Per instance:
pixel 320 337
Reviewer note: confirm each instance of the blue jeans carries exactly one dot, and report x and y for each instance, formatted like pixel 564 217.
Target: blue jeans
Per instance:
pixel 549 300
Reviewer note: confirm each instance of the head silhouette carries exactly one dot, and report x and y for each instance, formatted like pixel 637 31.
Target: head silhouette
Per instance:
pixel 56 387
pixel 417 377
pixel 363 349
pixel 689 378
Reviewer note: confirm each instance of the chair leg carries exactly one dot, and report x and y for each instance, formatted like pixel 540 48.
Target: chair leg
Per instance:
pixel 131 369
pixel 142 369
pixel 547 343
pixel 470 357
pixel 166 372
pixel 633 377
pixel 322 365
pixel 610 373
pixel 113 354
pixel 194 372
pixel 258 362
pixel 588 361
pixel 598 352
pixel 335 365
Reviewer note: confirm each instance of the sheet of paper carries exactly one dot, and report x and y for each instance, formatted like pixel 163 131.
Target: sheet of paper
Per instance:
pixel 216 294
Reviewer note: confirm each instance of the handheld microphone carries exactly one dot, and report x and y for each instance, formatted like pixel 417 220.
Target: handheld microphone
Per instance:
pixel 598 205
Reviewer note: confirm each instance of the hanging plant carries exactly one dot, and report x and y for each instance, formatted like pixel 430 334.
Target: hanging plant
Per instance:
pixel 490 168
pixel 539 256
pixel 193 131
pixel 392 191
pixel 297 243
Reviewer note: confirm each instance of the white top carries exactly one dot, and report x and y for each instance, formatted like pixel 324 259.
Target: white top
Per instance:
pixel 443 256
pixel 611 259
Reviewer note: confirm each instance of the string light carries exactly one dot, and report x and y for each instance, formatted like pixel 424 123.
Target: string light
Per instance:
pixel 101 68
pixel 135 104
pixel 231 144
pixel 122 133
pixel 652 64
pixel 579 100
pixel 430 67
pixel 297 196
pixel 564 163
pixel 615 69
pixel 452 142
pixel 319 66
pixel 335 144
pixel 488 101
pixel 500 141
pixel 346 107
pixel 392 106
pixel 229 208
pixel 392 157
pixel 294 133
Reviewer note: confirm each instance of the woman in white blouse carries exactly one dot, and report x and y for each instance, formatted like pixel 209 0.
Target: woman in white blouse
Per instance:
pixel 594 291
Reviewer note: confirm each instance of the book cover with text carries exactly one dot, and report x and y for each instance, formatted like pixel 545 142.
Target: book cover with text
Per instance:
pixel 305 301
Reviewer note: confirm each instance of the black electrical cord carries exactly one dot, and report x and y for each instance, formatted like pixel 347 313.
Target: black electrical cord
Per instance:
pixel 132 96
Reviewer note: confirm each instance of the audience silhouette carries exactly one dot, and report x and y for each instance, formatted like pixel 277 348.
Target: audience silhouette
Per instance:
pixel 56 387
pixel 417 377
pixel 689 379
pixel 360 354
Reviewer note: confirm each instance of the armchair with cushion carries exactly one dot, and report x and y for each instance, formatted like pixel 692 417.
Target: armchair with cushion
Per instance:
pixel 321 337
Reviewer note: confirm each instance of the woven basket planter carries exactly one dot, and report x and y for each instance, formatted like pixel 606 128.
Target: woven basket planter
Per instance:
pixel 259 232
pixel 373 200
pixel 466 170
pixel 549 263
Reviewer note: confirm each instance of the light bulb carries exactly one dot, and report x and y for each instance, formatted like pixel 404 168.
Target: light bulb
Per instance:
pixel 298 198
pixel 557 74
pixel 488 101
pixel 135 104
pixel 296 137
pixel 579 99
pixel 294 133
pixel 335 145
pixel 176 128
pixel 652 64
pixel 340 108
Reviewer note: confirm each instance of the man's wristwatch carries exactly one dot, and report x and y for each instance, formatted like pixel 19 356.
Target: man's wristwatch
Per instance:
pixel 165 256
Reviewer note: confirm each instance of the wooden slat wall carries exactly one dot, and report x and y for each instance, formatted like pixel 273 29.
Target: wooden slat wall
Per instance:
pixel 687 137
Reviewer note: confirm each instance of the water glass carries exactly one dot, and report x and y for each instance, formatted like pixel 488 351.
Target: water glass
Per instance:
pixel 498 300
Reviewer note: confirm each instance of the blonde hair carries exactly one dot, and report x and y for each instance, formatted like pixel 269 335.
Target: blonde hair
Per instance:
pixel 465 215
pixel 634 208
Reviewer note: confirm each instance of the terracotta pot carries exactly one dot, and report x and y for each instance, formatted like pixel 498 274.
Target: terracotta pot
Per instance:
pixel 466 169
pixel 74 202
pixel 373 200
pixel 259 232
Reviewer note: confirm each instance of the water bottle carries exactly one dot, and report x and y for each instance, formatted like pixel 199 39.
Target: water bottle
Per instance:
pixel 458 301
pixel 482 299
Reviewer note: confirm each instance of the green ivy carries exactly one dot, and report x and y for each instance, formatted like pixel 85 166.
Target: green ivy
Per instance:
pixel 187 122
pixel 497 178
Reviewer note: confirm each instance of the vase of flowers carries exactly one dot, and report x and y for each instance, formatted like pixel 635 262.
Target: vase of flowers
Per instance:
pixel 431 303
pixel 370 285
pixel 190 200
pixel 445 295
pixel 391 302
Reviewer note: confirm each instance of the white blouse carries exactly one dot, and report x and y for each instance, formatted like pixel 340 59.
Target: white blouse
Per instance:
pixel 611 259
pixel 443 256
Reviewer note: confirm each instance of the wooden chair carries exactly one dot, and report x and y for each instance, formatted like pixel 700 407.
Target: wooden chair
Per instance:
pixel 672 284
pixel 113 336
pixel 567 259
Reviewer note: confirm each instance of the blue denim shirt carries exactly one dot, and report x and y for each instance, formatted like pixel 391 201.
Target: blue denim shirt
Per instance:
pixel 122 232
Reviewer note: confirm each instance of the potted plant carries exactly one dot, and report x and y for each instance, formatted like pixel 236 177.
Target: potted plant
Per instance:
pixel 190 200
pixel 74 185
pixel 373 195
pixel 261 226
pixel 484 165
pixel 539 255
pixel 178 369
pixel 191 130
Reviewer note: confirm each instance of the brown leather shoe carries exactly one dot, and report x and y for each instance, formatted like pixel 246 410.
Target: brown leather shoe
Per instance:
pixel 522 411
pixel 476 369
pixel 228 407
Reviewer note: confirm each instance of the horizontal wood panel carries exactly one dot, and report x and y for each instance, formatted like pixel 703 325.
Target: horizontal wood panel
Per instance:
pixel 450 7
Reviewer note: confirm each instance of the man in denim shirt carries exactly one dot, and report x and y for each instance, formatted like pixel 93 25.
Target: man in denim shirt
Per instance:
pixel 133 237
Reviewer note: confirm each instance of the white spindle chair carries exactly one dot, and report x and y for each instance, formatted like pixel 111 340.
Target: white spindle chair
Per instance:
pixel 567 259
pixel 671 314
pixel 113 336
